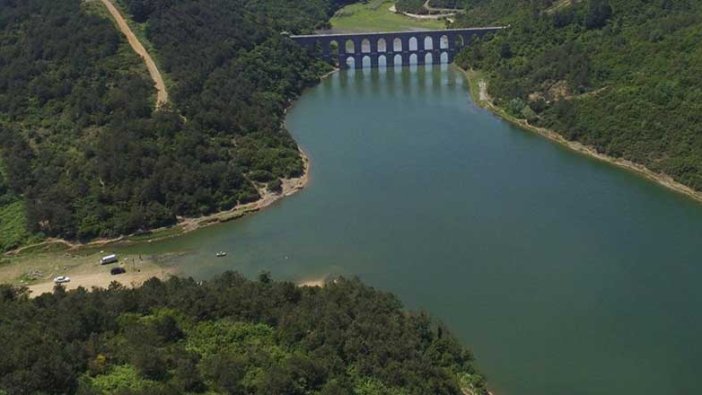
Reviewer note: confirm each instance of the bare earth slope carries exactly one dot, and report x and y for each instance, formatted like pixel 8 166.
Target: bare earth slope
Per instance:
pixel 161 93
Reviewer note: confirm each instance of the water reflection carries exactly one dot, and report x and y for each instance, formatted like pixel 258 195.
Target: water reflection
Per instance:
pixel 414 77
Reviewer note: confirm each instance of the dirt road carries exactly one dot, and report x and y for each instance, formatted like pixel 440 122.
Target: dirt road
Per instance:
pixel 161 93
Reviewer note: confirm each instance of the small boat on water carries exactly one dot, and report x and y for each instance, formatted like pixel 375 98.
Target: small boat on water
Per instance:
pixel 221 254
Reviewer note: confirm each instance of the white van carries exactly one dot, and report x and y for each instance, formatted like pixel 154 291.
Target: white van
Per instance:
pixel 108 259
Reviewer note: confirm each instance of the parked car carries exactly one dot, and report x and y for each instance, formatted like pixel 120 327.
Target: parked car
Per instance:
pixel 62 279
pixel 117 270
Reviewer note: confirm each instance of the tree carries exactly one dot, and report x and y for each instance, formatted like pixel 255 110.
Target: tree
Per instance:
pixel 599 12
pixel 227 335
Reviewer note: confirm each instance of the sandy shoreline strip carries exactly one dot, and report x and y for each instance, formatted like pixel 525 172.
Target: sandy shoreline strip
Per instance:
pixel 319 282
pixel 102 279
pixel 484 100
pixel 289 186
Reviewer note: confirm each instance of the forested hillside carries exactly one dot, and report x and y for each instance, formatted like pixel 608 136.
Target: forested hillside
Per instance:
pixel 623 76
pixel 83 153
pixel 228 335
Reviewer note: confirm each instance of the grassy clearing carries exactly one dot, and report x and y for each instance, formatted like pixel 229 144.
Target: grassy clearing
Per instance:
pixel 157 234
pixel 375 16
pixel 474 77
pixel 13 226
pixel 44 248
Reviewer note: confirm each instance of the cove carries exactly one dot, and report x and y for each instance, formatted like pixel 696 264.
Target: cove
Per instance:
pixel 563 274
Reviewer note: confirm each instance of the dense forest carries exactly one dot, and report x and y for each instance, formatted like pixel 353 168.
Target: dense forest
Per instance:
pixel 228 335
pixel 84 154
pixel 623 76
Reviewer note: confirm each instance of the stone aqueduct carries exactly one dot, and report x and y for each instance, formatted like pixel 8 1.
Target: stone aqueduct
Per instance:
pixel 392 48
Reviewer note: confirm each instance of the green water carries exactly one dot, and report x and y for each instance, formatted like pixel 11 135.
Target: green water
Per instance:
pixel 563 274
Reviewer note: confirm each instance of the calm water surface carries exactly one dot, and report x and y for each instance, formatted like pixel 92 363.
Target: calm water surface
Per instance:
pixel 563 274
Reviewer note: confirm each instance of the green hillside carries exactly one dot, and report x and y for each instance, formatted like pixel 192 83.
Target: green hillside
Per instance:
pixel 622 76
pixel 84 150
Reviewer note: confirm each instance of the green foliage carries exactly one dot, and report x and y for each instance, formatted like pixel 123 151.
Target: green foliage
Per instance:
pixel 613 74
pixel 13 225
pixel 516 106
pixel 598 13
pixel 120 378
pixel 81 144
pixel 210 338
pixel 455 4
pixel 228 335
pixel 275 186
pixel 411 6
pixel 371 386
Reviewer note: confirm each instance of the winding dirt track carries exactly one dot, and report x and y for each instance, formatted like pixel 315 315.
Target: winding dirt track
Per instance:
pixel 161 93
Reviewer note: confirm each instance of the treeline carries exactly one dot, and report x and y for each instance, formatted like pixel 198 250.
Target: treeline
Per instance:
pixel 618 75
pixel 228 335
pixel 83 150
pixel 418 6
pixel 411 6
pixel 456 4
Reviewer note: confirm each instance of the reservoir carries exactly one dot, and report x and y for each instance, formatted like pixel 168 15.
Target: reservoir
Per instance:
pixel 563 274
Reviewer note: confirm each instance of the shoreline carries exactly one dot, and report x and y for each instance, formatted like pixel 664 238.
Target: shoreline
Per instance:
pixel 37 270
pixel 41 262
pixel 185 225
pixel 478 92
pixel 290 186
pixel 188 224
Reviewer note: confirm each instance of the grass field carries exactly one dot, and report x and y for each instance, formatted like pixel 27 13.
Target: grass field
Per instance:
pixel 375 16
pixel 13 226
